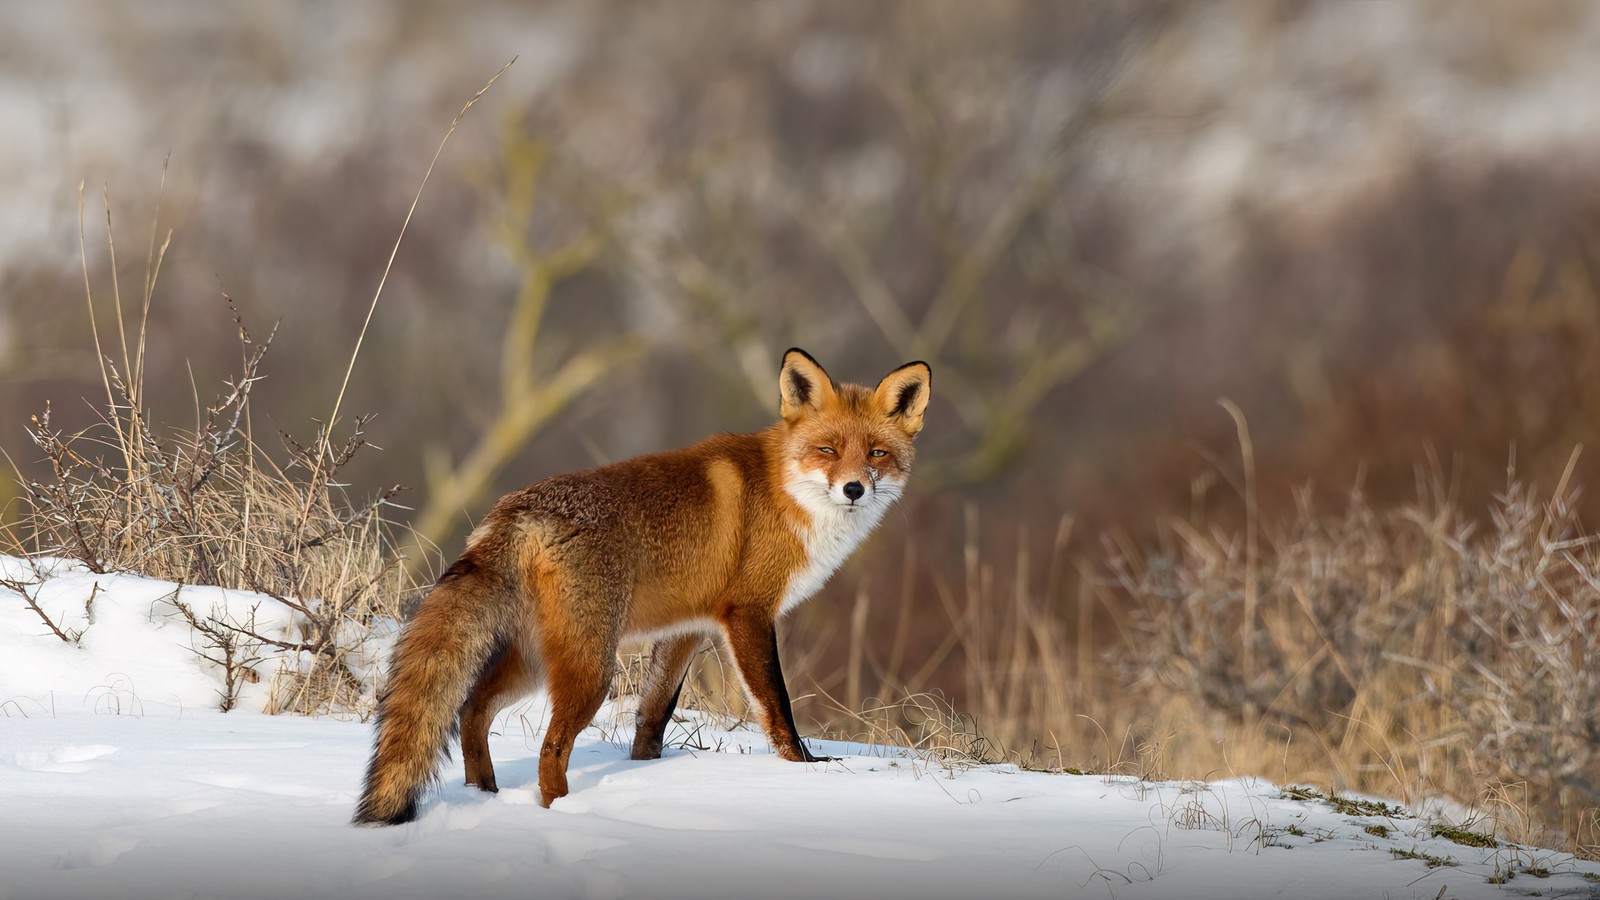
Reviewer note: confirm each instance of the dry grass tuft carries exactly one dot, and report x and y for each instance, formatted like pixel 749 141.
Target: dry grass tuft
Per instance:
pixel 925 724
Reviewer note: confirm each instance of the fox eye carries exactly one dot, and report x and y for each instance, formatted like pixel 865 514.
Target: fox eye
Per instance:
pixel 879 452
pixel 828 450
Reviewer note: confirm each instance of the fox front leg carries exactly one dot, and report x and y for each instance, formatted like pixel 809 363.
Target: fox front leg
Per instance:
pixel 669 662
pixel 753 638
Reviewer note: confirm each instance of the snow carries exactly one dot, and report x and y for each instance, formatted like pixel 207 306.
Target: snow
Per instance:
pixel 118 777
pixel 135 649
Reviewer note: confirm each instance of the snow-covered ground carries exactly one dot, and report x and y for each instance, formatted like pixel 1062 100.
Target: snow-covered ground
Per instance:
pixel 118 778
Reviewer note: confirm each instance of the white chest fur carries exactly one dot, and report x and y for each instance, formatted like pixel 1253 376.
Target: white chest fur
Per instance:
pixel 832 535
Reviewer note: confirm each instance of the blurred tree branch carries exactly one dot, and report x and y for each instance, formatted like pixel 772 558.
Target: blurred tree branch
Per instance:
pixel 529 398
pixel 998 419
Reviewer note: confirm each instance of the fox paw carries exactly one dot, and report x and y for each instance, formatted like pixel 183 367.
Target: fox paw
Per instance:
pixel 801 754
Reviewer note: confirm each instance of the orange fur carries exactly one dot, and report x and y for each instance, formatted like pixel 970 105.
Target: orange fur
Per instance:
pixel 721 536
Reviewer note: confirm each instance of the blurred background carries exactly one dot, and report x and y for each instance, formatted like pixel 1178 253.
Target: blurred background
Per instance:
pixel 1372 227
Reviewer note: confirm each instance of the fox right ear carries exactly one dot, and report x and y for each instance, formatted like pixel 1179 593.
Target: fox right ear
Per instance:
pixel 802 385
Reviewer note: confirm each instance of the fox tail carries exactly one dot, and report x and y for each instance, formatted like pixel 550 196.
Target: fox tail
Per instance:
pixel 468 616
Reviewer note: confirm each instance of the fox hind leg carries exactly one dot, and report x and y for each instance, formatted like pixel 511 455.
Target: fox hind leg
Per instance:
pixel 509 676
pixel 581 610
pixel 578 683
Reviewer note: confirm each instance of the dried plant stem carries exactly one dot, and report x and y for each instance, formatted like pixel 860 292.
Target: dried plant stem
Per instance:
pixel 355 352
pixel 1252 549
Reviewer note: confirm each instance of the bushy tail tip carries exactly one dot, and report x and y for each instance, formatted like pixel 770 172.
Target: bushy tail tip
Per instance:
pixel 453 633
pixel 369 815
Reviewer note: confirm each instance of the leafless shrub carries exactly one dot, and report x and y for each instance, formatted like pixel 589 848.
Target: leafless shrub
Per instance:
pixel 207 505
pixel 1526 623
pixel 1411 628
pixel 203 507
pixel 28 591
pixel 223 644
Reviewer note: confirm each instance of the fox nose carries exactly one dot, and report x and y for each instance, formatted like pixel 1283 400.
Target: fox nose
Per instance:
pixel 854 490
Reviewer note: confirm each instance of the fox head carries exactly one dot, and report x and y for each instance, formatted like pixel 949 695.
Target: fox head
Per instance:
pixel 848 446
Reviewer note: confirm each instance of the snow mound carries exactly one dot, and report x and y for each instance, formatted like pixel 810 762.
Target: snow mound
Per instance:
pixel 133 646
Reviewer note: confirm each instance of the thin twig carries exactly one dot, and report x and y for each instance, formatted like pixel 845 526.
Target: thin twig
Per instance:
pixel 393 252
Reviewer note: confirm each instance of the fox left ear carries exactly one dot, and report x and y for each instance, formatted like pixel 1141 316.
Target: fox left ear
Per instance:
pixel 902 395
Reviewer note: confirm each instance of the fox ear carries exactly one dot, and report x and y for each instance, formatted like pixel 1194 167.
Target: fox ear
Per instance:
pixel 802 385
pixel 902 395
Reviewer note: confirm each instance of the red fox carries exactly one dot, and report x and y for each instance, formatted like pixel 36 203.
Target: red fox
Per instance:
pixel 723 536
